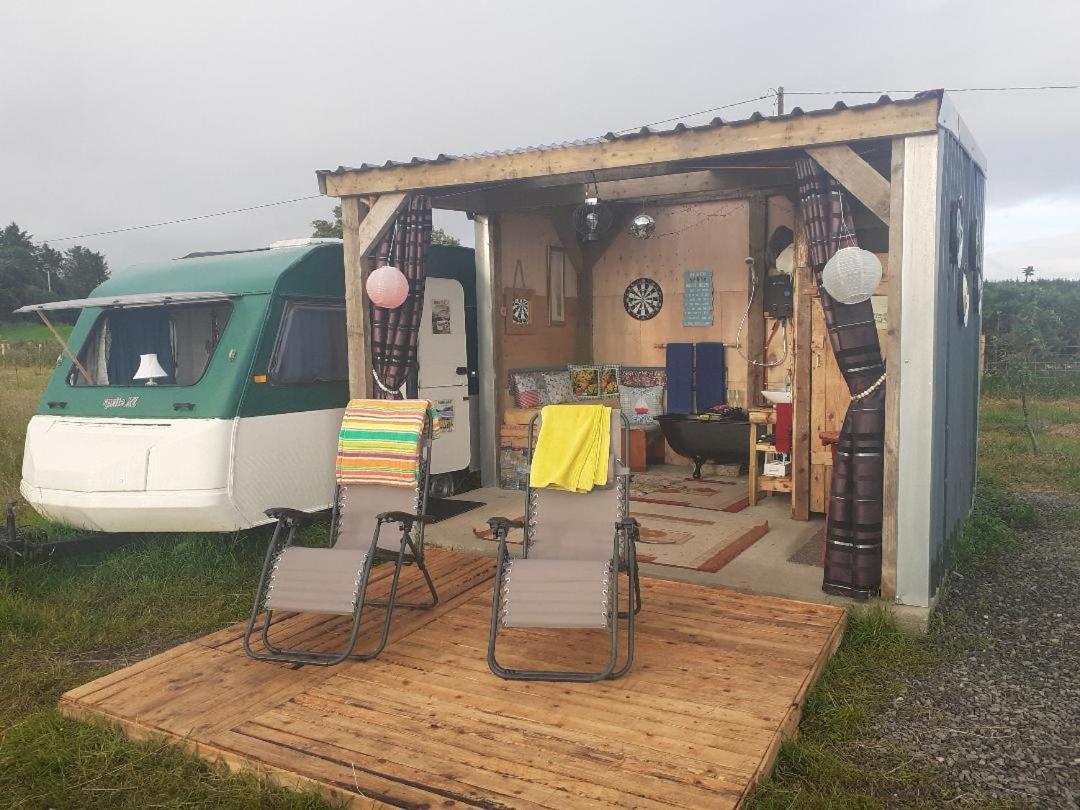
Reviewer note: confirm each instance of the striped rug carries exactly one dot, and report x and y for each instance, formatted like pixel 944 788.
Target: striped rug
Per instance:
pixel 379 442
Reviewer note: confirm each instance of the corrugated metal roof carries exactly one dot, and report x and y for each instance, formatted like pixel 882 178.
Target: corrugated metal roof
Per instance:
pixel 715 123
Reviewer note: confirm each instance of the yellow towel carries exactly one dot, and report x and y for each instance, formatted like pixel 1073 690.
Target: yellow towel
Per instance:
pixel 573 447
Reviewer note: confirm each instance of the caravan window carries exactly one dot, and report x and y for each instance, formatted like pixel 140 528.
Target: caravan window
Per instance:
pixel 311 344
pixel 182 337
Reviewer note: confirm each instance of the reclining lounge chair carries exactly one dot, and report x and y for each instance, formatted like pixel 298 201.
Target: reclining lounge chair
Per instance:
pixel 574 547
pixel 384 451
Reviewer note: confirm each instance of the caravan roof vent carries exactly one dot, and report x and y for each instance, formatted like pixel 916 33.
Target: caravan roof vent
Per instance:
pixel 310 240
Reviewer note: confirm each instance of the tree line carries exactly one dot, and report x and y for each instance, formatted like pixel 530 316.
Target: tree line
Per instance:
pixel 33 273
pixel 1033 320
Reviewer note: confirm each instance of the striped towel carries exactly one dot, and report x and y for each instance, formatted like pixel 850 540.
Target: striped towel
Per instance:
pixel 379 442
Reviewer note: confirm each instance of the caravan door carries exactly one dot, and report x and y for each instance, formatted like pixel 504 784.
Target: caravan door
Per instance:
pixel 443 377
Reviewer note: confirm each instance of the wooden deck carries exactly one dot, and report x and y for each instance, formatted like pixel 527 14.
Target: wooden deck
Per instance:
pixel 718 681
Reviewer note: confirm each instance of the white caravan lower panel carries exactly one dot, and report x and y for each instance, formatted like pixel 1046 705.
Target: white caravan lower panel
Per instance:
pixel 178 475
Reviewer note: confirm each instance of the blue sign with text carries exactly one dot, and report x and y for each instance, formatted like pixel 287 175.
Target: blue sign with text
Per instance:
pixel 697 298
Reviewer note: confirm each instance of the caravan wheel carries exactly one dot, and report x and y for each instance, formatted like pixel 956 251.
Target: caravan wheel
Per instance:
pixel 441 485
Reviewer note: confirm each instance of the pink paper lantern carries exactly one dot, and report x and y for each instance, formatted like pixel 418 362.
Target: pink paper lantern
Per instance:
pixel 387 287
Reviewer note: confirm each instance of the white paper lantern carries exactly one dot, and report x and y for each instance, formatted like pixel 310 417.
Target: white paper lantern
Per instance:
pixel 387 287
pixel 851 275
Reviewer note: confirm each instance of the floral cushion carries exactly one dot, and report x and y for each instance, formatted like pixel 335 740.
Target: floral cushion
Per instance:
pixel 609 381
pixel 554 387
pixel 585 381
pixel 641 406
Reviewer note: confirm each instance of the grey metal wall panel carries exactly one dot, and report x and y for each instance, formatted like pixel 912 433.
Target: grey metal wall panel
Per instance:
pixel 956 347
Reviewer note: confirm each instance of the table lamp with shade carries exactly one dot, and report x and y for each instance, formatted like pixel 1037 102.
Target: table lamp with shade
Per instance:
pixel 149 369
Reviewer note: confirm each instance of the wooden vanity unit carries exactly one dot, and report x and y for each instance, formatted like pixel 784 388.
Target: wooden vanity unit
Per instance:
pixel 762 420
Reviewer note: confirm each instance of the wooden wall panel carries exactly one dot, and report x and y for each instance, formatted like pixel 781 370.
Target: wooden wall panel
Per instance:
pixel 712 236
pixel 525 237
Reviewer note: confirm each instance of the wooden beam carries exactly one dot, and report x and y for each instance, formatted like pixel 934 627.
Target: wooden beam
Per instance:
pixel 801 395
pixel 890 526
pixel 841 126
pixel 697 184
pixel 362 228
pixel 856 175
pixel 754 332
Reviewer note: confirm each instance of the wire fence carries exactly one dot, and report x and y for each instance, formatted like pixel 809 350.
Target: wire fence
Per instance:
pixel 28 354
pixel 1051 375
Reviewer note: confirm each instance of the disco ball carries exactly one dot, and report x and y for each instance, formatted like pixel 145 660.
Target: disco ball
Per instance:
pixel 643 226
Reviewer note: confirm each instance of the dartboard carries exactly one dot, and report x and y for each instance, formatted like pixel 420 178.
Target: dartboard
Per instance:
pixel 519 311
pixel 643 299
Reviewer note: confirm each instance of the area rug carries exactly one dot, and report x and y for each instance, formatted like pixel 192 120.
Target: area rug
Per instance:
pixel 809 553
pixel 439 509
pixel 674 489
pixel 675 536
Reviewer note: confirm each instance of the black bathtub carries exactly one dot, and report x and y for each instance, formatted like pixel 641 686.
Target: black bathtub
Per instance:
pixel 707 441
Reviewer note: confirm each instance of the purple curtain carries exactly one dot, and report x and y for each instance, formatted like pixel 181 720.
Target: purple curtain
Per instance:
pixel 395 332
pixel 853 542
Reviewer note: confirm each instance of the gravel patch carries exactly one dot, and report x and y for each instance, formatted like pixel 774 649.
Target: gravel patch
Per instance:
pixel 999 721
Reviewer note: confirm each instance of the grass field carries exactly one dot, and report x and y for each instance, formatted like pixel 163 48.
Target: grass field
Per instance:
pixel 63 624
pixel 31 332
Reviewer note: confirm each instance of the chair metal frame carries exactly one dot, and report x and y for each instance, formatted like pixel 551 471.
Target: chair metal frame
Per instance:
pixel 623 558
pixel 289 521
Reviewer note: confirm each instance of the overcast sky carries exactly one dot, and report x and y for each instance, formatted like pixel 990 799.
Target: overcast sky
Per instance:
pixel 115 113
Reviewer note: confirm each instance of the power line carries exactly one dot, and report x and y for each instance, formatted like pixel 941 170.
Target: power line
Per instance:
pixel 184 219
pixel 699 112
pixel 947 90
pixel 771 93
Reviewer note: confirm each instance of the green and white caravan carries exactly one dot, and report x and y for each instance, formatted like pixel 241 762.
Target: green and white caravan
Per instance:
pixel 198 392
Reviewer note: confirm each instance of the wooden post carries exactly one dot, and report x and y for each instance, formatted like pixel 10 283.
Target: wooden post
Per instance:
pixel 890 525
pixel 363 224
pixel 801 396
pixel 754 334
pixel 64 346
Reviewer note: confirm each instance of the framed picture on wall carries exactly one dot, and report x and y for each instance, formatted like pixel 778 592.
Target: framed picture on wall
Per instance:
pixel 556 285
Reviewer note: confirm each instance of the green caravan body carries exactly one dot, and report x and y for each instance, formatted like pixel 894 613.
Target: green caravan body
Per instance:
pixel 207 389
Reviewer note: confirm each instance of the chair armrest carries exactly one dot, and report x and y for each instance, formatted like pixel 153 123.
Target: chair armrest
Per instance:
pixel 406 519
pixel 287 515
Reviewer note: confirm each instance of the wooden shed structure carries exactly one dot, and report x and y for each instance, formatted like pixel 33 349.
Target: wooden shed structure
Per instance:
pixel 914 181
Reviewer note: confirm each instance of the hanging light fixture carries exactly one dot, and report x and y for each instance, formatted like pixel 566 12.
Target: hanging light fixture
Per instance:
pixel 643 226
pixel 592 219
pixel 387 287
pixel 852 275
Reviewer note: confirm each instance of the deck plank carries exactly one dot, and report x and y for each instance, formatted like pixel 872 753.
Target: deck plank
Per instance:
pixel 718 682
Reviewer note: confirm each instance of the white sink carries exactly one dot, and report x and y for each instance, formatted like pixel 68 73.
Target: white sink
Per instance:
pixel 776 397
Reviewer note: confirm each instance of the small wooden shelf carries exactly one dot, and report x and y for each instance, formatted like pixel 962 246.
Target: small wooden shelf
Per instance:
pixel 769 483
pixel 761 421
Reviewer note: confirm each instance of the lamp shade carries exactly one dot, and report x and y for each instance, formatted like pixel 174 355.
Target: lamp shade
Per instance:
pixel 851 275
pixel 149 369
pixel 387 287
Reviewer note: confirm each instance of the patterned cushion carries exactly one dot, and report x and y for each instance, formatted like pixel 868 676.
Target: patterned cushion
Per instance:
pixel 526 389
pixel 555 388
pixel 642 405
pixel 527 399
pixel 609 381
pixel 585 381
pixel 641 377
